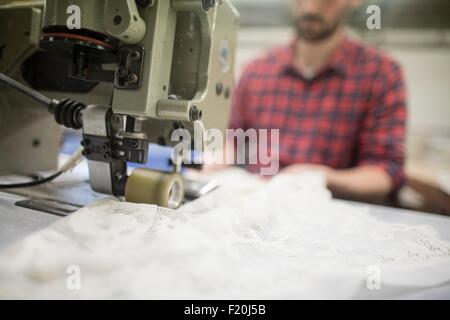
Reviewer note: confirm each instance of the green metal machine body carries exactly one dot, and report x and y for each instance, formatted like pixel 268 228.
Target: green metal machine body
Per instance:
pixel 144 68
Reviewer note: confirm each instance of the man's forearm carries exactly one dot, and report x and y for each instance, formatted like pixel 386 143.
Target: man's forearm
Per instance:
pixel 367 183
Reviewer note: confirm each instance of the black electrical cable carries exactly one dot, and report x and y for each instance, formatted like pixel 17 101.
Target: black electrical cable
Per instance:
pixel 66 112
pixel 25 90
pixel 33 183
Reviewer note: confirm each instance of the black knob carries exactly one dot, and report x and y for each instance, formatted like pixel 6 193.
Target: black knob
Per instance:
pixel 207 4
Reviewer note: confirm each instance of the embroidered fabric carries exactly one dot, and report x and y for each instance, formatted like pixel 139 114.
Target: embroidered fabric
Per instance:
pixel 250 239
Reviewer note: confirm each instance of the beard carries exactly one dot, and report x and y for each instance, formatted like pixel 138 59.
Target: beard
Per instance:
pixel 313 28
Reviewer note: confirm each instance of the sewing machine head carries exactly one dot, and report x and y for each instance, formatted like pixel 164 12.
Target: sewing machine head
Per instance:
pixel 172 60
pixel 169 64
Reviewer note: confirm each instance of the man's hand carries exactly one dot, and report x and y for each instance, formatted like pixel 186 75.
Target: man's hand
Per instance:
pixel 300 167
pixel 365 183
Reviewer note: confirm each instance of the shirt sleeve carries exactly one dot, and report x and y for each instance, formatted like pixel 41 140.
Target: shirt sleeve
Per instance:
pixel 237 119
pixel 382 137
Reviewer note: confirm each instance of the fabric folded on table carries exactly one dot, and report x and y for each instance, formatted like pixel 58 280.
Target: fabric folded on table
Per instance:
pixel 249 239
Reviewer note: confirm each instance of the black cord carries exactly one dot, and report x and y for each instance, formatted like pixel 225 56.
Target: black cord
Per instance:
pixel 25 90
pixel 67 112
pixel 36 182
pixel 43 100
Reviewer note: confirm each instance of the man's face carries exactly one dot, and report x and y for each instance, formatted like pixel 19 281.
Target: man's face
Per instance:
pixel 316 20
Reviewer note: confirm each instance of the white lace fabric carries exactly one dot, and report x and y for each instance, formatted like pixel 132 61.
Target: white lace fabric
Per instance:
pixel 249 239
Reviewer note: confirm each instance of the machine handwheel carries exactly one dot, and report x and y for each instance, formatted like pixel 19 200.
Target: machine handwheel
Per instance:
pixel 153 187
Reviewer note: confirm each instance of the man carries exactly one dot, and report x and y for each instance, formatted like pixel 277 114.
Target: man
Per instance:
pixel 340 106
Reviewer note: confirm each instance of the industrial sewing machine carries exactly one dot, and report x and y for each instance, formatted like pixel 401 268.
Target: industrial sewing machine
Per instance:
pixel 129 74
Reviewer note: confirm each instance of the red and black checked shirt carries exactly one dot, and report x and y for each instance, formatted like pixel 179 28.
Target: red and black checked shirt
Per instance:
pixel 352 113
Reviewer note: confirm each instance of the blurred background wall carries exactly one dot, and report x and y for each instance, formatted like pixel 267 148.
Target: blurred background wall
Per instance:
pixel 416 33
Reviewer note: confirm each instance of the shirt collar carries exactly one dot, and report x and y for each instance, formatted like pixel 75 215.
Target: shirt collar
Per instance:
pixel 339 60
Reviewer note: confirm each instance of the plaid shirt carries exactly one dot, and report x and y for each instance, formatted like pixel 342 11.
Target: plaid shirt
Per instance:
pixel 350 114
